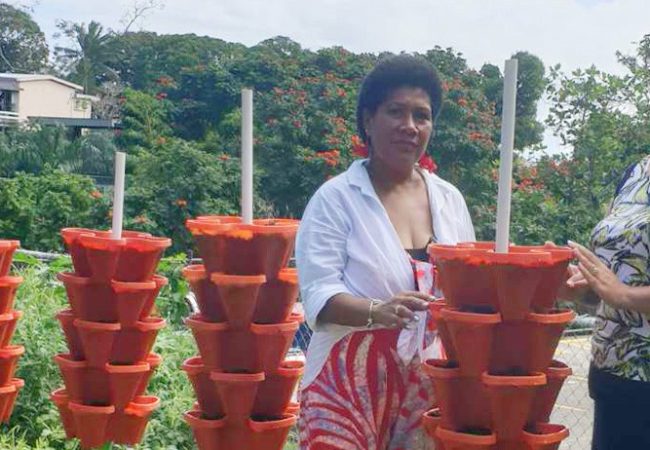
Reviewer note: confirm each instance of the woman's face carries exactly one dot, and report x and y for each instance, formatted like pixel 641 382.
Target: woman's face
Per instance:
pixel 400 129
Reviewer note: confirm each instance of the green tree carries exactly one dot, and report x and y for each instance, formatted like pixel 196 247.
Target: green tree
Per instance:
pixel 33 208
pixel 23 48
pixel 177 181
pixel 531 85
pixel 145 120
pixel 85 62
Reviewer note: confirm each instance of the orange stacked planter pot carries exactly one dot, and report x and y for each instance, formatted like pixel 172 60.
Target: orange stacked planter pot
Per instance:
pixel 245 292
pixel 110 332
pixel 9 354
pixel 499 328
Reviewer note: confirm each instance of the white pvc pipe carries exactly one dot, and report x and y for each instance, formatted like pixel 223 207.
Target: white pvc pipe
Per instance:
pixel 505 165
pixel 247 155
pixel 118 195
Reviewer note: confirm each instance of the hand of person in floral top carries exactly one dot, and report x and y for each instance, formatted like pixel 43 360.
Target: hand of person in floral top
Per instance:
pixel 575 286
pixel 606 284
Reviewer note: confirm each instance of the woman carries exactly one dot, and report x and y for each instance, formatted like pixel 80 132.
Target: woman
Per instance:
pixel 618 272
pixel 364 273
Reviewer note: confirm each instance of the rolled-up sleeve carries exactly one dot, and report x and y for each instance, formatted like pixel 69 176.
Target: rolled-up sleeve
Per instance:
pixel 321 253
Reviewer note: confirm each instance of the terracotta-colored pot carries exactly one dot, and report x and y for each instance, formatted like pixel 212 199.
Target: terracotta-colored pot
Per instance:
pixel 238 295
pixel 116 301
pixel 471 334
pixel 154 360
pixel 545 334
pixel 97 340
pixel 8 323
pixel 263 247
pixel 544 436
pixel 209 339
pixel 103 254
pixel 507 281
pixel 7 398
pixel 552 278
pixel 133 344
pixel 72 339
pixel 237 392
pixel 140 257
pixel 151 299
pixel 430 422
pixel 273 342
pixel 210 239
pixel 218 218
pixel 228 246
pixel 127 427
pixel 7 249
pixel 83 384
pixel 124 382
pixel 277 297
pixel 89 300
pixel 112 385
pixel 517 276
pixel 275 392
pixel 76 250
pixel 293 408
pixel 464 278
pixel 453 440
pixel 528 345
pixel 511 398
pixel 270 433
pixel 60 399
pixel 222 348
pixel 130 299
pixel 8 360
pixel 204 388
pixel 8 287
pixel 463 401
pixel 206 292
pixel 5 413
pixel 91 423
pixel 209 434
pixel 546 396
pixel 443 330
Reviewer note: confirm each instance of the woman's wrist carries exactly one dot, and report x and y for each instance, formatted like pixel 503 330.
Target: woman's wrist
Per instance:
pixel 372 308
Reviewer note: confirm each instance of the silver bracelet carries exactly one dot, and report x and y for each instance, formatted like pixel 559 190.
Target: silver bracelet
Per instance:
pixel 371 321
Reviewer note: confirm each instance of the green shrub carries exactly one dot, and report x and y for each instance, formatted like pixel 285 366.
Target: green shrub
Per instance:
pixel 33 208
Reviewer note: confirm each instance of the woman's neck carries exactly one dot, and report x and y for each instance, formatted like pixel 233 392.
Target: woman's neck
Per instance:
pixel 385 178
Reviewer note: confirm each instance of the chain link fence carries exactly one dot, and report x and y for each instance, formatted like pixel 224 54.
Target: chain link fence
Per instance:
pixel 573 409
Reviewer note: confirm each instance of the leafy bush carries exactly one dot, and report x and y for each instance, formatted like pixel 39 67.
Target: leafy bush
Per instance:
pixel 34 208
pixel 176 181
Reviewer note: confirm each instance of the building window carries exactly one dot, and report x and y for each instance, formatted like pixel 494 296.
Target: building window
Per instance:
pixel 7 101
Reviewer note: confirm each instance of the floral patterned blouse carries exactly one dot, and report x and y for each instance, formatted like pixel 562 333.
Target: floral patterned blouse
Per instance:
pixel 621 341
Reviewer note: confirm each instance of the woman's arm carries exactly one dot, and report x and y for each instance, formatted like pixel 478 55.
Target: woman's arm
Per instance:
pixel 606 284
pixel 346 309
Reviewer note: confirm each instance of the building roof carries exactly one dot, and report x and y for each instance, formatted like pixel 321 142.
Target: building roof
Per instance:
pixel 26 77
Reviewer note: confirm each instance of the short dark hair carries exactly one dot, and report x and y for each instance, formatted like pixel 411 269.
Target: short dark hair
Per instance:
pixel 393 73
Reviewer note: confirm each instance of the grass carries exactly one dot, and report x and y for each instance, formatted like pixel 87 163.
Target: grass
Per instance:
pixel 35 421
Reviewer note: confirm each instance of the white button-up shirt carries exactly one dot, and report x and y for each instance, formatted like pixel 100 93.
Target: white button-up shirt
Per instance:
pixel 346 243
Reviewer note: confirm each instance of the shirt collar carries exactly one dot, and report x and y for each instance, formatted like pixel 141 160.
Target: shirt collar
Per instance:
pixel 358 176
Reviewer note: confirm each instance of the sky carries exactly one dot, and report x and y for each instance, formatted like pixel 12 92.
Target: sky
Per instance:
pixel 574 33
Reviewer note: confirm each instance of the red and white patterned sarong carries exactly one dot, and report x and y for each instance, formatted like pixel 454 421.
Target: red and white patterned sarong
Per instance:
pixel 365 397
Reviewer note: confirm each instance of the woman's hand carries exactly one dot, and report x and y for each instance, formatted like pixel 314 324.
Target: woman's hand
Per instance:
pixel 398 312
pixel 599 277
pixel 575 286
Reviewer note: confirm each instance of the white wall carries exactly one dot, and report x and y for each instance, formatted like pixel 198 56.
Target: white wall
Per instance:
pixel 47 98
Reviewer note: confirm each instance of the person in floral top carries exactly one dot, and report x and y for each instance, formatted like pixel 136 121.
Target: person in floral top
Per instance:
pixel 617 271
